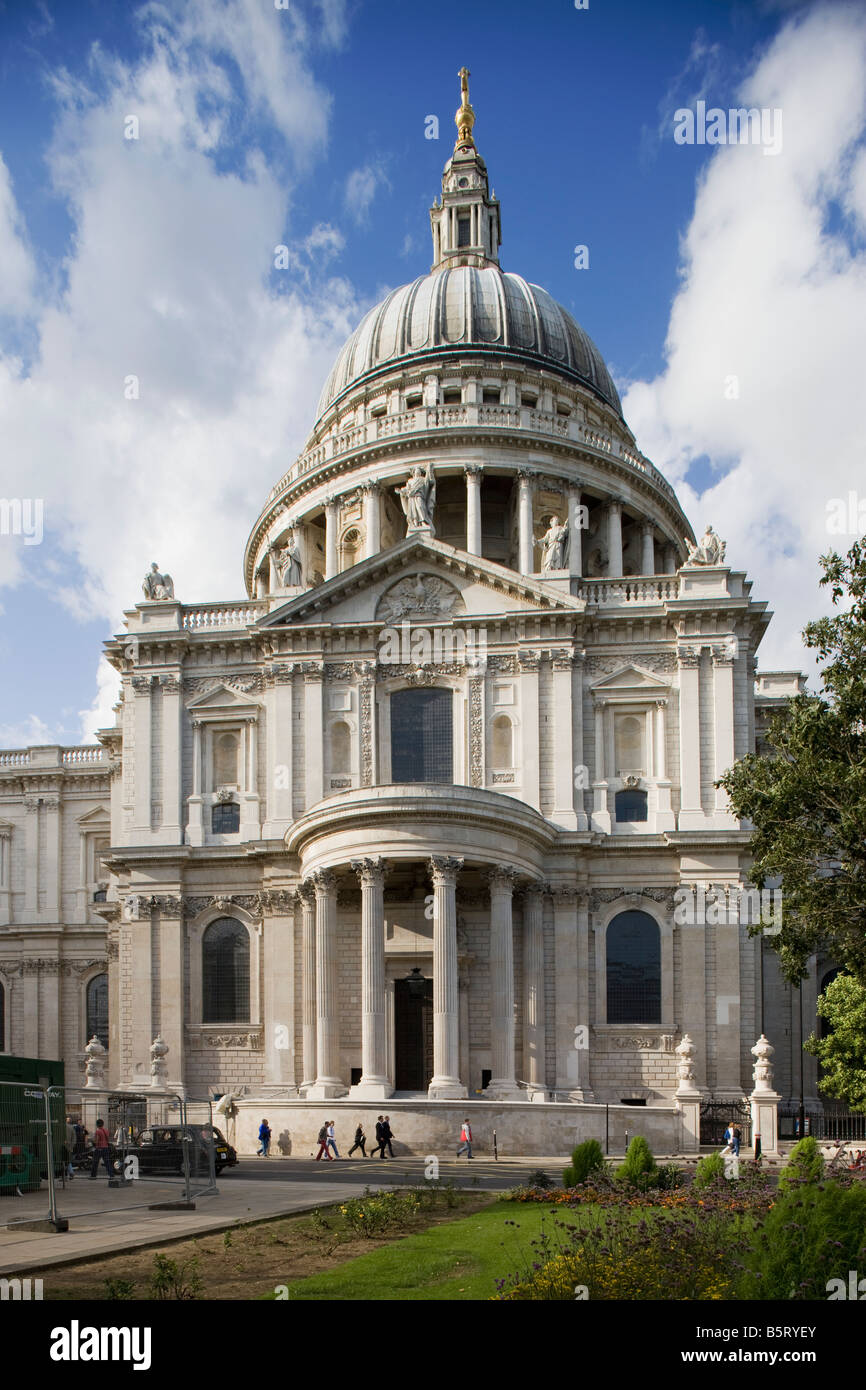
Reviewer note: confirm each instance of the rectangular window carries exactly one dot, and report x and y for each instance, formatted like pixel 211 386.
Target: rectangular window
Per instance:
pixel 422 748
pixel 464 232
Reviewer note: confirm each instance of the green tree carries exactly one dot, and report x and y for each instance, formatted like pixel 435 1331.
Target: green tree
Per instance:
pixel 842 1053
pixel 807 798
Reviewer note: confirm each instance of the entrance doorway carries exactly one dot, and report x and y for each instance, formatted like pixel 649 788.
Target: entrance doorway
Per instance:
pixel 413 1036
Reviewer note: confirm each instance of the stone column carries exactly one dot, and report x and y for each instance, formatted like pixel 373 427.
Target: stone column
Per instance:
pixel 307 897
pixel 764 1099
pixel 528 667
pixel 279 735
pixel 372 520
pixel 691 811
pixel 473 473
pixel 446 1084
pixel 142 718
pixel 565 948
pixel 314 761
pixel 526 544
pixel 328 1082
pixel 614 538
pixel 503 1085
pixel 671 562
pixel 723 726
pixel 563 728
pixel 374 1083
pixel 648 560
pixel 195 829
pixel 170 1021
pixel 575 534
pixel 331 537
pixel 533 989
pixel 278 992
pixel 171 755
pixel 600 810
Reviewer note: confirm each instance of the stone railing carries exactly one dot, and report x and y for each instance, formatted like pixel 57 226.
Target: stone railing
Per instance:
pixel 615 592
pixel 18 757
pixel 212 616
pixel 420 419
pixel 89 753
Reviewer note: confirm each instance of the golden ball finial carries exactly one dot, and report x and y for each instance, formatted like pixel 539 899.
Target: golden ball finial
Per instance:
pixel 464 118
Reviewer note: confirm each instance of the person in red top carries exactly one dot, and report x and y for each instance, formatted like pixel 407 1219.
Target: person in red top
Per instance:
pixel 100 1150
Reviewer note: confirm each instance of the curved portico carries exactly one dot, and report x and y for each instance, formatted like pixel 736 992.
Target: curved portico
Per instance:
pixel 495 842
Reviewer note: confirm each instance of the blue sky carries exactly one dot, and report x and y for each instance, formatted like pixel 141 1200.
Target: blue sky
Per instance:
pixel 307 126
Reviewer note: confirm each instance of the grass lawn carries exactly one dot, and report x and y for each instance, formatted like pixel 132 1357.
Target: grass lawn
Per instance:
pixel 460 1260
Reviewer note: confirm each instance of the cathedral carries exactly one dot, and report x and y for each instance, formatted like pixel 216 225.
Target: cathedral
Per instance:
pixel 414 819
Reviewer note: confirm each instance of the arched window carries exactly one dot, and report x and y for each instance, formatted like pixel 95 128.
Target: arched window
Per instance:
pixel 422 746
pixel 341 747
pixel 225 760
pixel 629 738
pixel 97 1009
pixel 350 549
pixel 630 805
pixel 2 1018
pixel 634 973
pixel 226 972
pixel 225 818
pixel 503 742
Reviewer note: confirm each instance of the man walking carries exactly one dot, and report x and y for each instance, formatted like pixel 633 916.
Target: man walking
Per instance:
pixel 465 1140
pixel 380 1138
pixel 387 1136
pixel 360 1142
pixel 100 1150
pixel 264 1138
pixel 323 1143
pixel 332 1143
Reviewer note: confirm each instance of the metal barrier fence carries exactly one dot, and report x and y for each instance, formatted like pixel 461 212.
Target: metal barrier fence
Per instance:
pixel 153 1149
pixel 833 1122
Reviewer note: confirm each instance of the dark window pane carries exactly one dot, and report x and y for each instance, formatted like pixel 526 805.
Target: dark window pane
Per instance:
pixel 630 806
pixel 421 736
pixel 634 976
pixel 97 1009
pixel 226 972
pixel 463 231
pixel 226 818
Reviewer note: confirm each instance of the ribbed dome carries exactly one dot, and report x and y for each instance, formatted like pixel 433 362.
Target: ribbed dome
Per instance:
pixel 472 308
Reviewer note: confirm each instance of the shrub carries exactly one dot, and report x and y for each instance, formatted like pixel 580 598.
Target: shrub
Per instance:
pixel 540 1180
pixel 119 1289
pixel 375 1213
pixel 639 1169
pixel 814 1232
pixel 171 1280
pixel 669 1177
pixel 710 1170
pixel 805 1164
pixel 585 1159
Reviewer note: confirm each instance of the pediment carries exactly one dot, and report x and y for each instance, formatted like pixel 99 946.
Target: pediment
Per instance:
pixel 422 577
pixel 629 678
pixel 97 819
pixel 221 696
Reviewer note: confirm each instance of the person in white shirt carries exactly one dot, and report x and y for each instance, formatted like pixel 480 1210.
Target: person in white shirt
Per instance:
pixel 465 1140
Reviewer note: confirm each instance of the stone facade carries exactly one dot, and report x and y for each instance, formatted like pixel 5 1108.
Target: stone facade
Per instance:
pixel 444 930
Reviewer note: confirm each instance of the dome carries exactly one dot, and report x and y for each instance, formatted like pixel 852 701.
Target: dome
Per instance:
pixel 477 309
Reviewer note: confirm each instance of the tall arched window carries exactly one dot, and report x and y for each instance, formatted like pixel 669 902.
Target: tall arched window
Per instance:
pixel 634 973
pixel 226 972
pixel 422 746
pixel 2 1018
pixel 350 549
pixel 503 742
pixel 97 1009
pixel 629 740
pixel 225 760
pixel 341 747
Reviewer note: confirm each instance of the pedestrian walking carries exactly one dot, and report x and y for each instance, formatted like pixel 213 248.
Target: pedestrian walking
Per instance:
pixel 387 1136
pixel 465 1140
pixel 264 1139
pixel 735 1139
pixel 332 1142
pixel 101 1150
pixel 380 1141
pixel 323 1143
pixel 360 1142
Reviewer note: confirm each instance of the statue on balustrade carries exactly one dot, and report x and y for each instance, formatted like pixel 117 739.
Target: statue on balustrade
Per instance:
pixel 418 499
pixel 710 549
pixel 157 586
pixel 554 546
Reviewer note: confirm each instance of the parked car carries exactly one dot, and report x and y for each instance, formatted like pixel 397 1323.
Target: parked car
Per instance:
pixel 159 1149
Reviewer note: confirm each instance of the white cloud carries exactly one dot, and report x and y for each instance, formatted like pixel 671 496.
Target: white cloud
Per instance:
pixel 169 279
pixel 361 188
pixel 774 294
pixel 17 266
pixel 101 713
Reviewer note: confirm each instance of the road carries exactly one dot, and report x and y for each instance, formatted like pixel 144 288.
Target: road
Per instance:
pixel 483 1172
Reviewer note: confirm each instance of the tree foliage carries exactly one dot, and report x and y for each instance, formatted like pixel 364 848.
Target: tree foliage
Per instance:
pixel 842 1053
pixel 806 799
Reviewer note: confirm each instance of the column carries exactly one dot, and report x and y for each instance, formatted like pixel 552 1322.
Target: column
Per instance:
pixel 583 1090
pixel 141 754
pixel 580 769
pixel 566 976
pixel 194 828
pixel 693 993
pixel 278 979
pixel 723 727
pixel 169 1025
pixel 648 560
pixel 314 755
pixel 307 898
pixel 671 561
pixel 728 1081
pixel 279 751
pixel 614 538
pixel 600 810
pixel 528 664
pixel 533 989
pixel 171 755
pixel 374 1083
pixel 330 537
pixel 575 533
pixel 691 812
pixel 473 508
pixel 664 815
pixel 526 544
pixel 503 1085
pixel 563 763
pixel 372 521
pixel 446 1083
pixel 328 1082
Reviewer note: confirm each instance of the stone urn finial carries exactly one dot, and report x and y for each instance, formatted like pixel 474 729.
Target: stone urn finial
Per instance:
pixel 93 1070
pixel 762 1073
pixel 685 1065
pixel 158 1068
